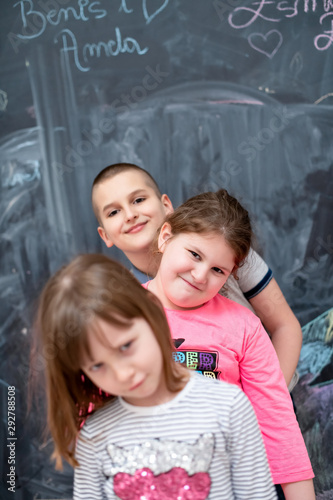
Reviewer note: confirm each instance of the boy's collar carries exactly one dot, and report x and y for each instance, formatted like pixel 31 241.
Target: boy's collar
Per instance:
pixel 140 276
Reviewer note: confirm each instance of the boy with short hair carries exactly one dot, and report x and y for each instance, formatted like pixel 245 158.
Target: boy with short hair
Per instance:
pixel 130 209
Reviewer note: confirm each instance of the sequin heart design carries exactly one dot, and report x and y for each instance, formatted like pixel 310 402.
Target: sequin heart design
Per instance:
pixel 175 484
pixel 150 17
pixel 273 39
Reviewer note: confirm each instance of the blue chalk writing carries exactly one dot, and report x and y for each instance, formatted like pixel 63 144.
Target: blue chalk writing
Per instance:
pixel 108 49
pixel 83 12
pixel 150 17
pixel 123 7
pixel 22 177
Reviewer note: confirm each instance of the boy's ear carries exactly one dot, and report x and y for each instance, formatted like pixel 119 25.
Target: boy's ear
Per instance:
pixel 104 236
pixel 165 234
pixel 168 208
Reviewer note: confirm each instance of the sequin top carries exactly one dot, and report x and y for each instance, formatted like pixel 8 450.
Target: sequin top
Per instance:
pixel 203 444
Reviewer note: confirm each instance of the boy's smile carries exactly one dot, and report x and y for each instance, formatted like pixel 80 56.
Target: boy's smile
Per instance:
pixel 130 213
pixel 136 228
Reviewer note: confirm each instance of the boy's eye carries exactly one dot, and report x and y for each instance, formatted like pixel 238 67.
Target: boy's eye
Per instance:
pixel 139 200
pixel 113 213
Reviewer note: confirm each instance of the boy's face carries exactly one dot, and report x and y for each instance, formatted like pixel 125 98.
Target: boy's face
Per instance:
pixel 130 211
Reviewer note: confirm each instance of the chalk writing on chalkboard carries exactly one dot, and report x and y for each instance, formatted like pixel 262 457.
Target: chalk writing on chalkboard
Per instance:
pixel 3 100
pixel 35 22
pixel 273 12
pixel 112 47
pixel 256 39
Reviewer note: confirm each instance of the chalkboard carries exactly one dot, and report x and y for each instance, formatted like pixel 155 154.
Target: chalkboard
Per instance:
pixel 202 94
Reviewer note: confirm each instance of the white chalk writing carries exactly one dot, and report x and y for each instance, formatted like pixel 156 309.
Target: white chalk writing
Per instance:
pixel 272 11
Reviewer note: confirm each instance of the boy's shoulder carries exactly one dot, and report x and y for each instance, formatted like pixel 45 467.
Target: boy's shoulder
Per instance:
pixel 253 276
pixel 139 275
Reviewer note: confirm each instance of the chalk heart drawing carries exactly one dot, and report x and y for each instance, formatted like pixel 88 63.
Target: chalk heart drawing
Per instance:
pixel 150 16
pixel 267 44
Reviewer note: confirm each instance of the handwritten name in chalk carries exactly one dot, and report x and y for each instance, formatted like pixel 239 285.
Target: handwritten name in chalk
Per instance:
pixel 269 43
pixel 243 17
pixel 111 48
pixel 249 15
pixel 38 21
pixel 149 14
pixel 35 22
pixel 324 40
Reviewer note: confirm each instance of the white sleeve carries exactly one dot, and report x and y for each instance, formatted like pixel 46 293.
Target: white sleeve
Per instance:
pixel 254 275
pixel 251 477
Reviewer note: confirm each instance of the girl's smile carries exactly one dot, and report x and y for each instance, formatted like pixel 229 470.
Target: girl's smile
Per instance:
pixel 193 268
pixel 190 284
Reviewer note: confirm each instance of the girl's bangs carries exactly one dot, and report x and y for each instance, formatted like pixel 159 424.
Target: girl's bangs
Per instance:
pixel 115 320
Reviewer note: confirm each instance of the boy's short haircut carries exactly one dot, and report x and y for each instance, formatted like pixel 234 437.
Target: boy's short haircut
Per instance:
pixel 117 168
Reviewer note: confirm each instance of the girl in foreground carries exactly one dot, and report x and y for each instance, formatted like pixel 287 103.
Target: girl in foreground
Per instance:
pixel 157 431
pixel 202 243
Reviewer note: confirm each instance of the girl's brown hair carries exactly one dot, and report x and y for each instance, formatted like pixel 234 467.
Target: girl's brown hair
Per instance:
pixel 91 286
pixel 219 213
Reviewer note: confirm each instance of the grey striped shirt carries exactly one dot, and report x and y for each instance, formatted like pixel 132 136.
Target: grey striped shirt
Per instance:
pixel 206 441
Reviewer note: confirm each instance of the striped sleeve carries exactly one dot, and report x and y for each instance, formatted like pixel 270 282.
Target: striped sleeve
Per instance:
pixel 88 476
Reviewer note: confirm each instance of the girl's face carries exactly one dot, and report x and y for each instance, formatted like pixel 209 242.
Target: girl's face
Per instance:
pixel 193 268
pixel 127 362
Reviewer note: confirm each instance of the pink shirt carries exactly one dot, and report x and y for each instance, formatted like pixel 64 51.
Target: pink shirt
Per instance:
pixel 224 340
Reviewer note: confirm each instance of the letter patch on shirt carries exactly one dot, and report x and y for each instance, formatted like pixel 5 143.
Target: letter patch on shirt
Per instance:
pixel 202 362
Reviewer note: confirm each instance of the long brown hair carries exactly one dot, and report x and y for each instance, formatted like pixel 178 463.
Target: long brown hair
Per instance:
pixel 218 213
pixel 91 286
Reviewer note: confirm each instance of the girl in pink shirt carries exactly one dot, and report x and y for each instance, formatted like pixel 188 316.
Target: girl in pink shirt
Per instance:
pixel 204 241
